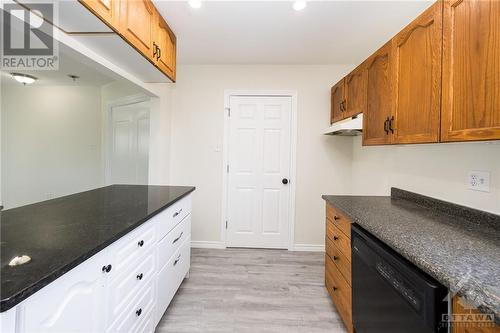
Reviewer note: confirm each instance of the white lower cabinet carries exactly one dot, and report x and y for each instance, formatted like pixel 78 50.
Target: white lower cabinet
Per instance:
pixel 75 300
pixel 124 288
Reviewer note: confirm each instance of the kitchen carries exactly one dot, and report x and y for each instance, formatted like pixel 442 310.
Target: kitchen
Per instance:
pixel 184 98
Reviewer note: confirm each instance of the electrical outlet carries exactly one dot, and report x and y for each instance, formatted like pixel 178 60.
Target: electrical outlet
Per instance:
pixel 479 181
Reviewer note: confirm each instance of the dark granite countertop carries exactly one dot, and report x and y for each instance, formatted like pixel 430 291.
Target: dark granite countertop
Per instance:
pixel 458 246
pixel 61 233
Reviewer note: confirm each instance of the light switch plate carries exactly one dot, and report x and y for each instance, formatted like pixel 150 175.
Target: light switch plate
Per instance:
pixel 479 181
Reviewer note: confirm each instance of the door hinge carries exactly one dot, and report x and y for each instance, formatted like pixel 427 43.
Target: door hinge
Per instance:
pixel 226 224
pixel 228 112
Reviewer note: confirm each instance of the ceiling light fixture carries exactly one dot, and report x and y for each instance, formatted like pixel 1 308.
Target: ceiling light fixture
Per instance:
pixel 299 5
pixel 195 3
pixel 23 78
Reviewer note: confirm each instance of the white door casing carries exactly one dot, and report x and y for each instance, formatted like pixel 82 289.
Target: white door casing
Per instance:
pixel 259 158
pixel 129 144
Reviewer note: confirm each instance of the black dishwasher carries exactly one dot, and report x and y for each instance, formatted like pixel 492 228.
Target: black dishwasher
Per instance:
pixel 390 294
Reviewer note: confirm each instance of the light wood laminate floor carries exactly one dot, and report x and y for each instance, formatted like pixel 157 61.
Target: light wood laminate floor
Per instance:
pixel 247 290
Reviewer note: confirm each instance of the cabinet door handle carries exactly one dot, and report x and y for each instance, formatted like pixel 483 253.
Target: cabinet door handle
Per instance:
pixel 138 312
pixel 155 49
pixel 334 288
pixel 390 124
pixel 335 238
pixel 340 107
pixel 335 258
pixel 177 213
pixel 343 105
pixel 106 269
pixel 177 260
pixel 158 56
pixel 139 276
pixel 175 240
pixel 336 218
pixel 386 126
pixel 140 243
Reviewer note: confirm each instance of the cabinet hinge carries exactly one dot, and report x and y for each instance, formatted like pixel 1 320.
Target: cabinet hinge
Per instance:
pixel 226 224
pixel 228 112
pixel 227 168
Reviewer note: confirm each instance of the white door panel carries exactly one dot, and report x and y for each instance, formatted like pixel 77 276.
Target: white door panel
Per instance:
pixel 259 158
pixel 129 153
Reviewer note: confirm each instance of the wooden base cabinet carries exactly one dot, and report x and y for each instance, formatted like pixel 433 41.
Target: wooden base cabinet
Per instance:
pixel 126 287
pixel 467 326
pixel 338 263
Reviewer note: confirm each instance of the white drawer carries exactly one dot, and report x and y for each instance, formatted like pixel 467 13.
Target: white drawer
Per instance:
pixel 128 283
pixel 139 307
pixel 171 277
pixel 170 243
pixel 146 325
pixel 131 247
pixel 170 217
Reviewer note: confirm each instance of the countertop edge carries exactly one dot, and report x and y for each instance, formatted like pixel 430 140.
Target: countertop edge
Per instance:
pixel 8 303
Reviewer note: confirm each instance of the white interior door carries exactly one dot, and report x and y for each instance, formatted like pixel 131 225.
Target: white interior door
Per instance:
pixel 129 144
pixel 259 166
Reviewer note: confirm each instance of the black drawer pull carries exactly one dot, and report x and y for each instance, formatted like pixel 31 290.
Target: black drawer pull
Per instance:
pixel 334 288
pixel 335 258
pixel 139 276
pixel 177 213
pixel 336 218
pixel 138 312
pixel 175 240
pixel 140 243
pixel 177 260
pixel 106 269
pixel 335 238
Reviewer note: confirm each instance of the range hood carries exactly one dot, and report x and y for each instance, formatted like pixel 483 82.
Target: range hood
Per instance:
pixel 347 127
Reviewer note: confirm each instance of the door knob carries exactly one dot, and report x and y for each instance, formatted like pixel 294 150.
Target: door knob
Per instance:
pixel 284 181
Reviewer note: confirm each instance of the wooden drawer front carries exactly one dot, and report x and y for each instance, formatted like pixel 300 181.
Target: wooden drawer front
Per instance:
pixel 126 286
pixel 133 246
pixel 340 292
pixel 470 327
pixel 171 277
pixel 340 260
pixel 339 220
pixel 171 243
pixel 174 214
pixel 139 307
pixel 341 241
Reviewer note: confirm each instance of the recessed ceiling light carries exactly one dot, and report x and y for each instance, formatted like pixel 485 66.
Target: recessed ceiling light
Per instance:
pixel 23 78
pixel 195 3
pixel 299 5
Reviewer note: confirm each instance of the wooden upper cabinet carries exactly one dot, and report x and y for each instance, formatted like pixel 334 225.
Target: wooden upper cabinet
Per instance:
pixel 355 91
pixel 417 79
pixel 337 102
pixel 471 70
pixel 106 10
pixel 137 19
pixel 165 42
pixel 379 102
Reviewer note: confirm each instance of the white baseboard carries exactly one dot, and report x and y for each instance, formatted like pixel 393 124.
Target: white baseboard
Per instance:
pixel 220 245
pixel 207 245
pixel 309 247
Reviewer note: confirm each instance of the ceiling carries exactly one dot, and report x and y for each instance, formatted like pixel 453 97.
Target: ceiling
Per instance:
pixel 70 63
pixel 271 32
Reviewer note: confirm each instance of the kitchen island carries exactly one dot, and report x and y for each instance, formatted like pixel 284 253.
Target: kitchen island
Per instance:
pixel 108 252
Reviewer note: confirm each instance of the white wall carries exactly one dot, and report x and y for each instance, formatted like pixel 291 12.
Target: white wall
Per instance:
pixel 323 162
pixel 436 170
pixel 51 142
